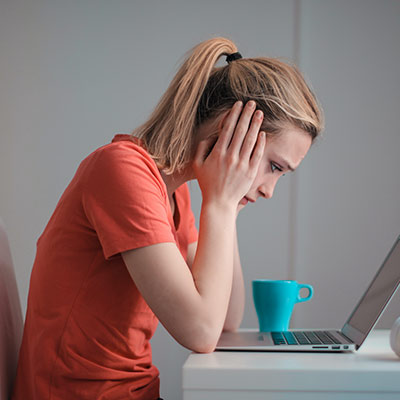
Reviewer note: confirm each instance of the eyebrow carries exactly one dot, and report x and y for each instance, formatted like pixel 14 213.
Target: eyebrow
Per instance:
pixel 283 163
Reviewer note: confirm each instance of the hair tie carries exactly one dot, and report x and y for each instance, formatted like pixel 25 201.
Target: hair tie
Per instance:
pixel 233 57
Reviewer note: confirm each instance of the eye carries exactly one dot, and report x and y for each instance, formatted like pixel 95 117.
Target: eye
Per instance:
pixel 275 167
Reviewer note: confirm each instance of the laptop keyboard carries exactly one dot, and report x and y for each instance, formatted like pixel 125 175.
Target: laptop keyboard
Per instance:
pixel 306 337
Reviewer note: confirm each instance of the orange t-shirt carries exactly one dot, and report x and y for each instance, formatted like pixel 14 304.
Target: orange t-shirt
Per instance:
pixel 87 327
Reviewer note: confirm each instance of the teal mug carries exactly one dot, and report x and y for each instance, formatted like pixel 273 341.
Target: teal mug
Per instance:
pixel 274 302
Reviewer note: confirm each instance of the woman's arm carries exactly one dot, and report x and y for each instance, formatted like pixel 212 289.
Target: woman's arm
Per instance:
pixel 236 305
pixel 234 315
pixel 192 305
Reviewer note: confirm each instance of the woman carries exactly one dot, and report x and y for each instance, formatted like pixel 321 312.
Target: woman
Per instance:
pixel 121 251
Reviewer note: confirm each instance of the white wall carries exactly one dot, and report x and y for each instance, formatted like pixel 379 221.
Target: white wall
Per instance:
pixel 73 73
pixel 349 186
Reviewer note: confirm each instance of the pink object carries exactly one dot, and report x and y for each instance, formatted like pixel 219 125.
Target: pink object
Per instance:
pixel 395 337
pixel 11 323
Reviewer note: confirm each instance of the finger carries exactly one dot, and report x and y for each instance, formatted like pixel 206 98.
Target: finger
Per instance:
pixel 250 139
pixel 229 125
pixel 242 126
pixel 258 152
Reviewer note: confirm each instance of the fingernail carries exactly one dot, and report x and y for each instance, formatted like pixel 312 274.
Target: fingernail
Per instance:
pixel 239 104
pixel 251 104
pixel 259 114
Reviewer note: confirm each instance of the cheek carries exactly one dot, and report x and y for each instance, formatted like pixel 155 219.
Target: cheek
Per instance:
pixel 260 177
pixel 262 170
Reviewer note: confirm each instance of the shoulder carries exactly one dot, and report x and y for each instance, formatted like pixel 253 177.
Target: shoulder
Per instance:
pixel 122 149
pixel 121 160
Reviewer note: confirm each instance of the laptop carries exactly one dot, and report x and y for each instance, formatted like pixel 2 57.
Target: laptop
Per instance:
pixel 357 327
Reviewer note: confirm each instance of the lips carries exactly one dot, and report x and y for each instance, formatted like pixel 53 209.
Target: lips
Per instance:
pixel 245 200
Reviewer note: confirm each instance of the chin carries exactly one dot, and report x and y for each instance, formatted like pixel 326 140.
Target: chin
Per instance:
pixel 240 207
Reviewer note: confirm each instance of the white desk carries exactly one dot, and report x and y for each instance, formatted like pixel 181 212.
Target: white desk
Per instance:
pixel 373 372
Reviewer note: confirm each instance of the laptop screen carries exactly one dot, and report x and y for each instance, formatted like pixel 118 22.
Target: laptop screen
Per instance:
pixel 379 292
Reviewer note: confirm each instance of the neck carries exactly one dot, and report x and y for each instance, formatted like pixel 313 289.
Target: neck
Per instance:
pixel 176 179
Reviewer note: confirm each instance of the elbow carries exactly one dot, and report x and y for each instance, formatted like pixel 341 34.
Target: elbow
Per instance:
pixel 204 348
pixel 202 339
pixel 202 343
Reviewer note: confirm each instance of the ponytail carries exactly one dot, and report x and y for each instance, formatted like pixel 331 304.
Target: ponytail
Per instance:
pixel 201 91
pixel 168 134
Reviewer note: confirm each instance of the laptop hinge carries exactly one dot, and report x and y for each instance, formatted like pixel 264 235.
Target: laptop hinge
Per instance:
pixel 356 336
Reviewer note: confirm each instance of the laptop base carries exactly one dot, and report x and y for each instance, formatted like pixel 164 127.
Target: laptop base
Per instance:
pixel 279 341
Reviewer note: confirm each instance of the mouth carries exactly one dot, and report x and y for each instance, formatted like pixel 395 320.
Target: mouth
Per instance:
pixel 246 200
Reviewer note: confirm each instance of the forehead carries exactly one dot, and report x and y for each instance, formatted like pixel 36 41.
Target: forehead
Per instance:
pixel 291 144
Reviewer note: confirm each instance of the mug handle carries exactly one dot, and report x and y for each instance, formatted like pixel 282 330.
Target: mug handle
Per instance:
pixel 310 294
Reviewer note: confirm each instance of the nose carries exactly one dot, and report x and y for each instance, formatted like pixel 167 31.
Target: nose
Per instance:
pixel 266 189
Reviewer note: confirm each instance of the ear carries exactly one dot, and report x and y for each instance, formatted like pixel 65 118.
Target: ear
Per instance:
pixel 222 119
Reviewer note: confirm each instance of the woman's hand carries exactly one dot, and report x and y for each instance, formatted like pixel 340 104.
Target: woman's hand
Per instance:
pixel 227 173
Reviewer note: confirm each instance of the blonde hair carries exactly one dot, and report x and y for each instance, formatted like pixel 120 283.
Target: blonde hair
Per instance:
pixel 200 90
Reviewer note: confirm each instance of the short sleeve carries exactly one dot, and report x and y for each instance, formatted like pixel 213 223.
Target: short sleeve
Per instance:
pixel 124 199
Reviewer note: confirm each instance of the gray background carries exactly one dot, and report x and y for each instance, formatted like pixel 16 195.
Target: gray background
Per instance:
pixel 73 73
